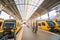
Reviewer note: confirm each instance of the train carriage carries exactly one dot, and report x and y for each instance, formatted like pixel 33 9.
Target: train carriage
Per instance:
pixel 1 27
pixel 46 25
pixel 10 26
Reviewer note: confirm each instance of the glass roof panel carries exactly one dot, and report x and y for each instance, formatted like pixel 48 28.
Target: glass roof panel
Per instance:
pixel 52 13
pixel 5 16
pixel 27 7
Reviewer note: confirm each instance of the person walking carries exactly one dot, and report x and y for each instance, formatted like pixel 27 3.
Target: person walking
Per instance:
pixel 36 27
pixel 32 28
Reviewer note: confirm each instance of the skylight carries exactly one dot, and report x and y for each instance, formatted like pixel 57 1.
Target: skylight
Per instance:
pixel 5 16
pixel 52 15
pixel 27 7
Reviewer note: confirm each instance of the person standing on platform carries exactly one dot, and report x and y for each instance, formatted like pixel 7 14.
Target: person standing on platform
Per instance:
pixel 33 27
pixel 36 27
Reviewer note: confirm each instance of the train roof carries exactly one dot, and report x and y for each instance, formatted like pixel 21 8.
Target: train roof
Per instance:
pixel 10 20
pixel 1 19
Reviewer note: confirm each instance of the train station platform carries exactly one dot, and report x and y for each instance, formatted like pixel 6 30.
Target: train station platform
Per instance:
pixel 40 35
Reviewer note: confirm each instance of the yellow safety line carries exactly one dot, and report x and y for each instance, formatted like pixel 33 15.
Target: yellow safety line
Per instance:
pixel 19 35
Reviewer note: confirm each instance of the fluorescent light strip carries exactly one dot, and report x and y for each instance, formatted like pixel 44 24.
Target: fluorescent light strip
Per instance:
pixel 34 10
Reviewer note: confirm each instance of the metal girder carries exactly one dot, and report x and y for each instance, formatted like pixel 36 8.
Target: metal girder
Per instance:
pixel 48 4
pixel 45 7
pixel 7 11
pixel 10 5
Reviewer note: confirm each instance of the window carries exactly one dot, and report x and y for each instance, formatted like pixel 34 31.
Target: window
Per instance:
pixel 43 23
pixel 50 23
pixel 39 24
pixel 9 24
pixel 0 23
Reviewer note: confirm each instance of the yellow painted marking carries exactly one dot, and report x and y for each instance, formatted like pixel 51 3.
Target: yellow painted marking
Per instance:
pixel 19 35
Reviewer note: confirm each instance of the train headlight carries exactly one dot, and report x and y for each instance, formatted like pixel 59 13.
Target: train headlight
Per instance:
pixel 12 30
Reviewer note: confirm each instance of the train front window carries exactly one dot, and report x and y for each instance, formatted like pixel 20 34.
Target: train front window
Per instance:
pixel 43 23
pixel 39 24
pixel 0 23
pixel 50 23
pixel 9 24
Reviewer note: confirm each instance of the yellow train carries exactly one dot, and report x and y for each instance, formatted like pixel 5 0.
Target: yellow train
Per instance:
pixel 57 24
pixel 46 25
pixel 10 26
pixel 1 27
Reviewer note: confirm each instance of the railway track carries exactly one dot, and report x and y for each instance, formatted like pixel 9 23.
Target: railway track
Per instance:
pixel 57 32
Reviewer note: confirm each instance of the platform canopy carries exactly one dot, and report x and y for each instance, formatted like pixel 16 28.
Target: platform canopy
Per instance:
pixel 44 8
pixel 27 7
